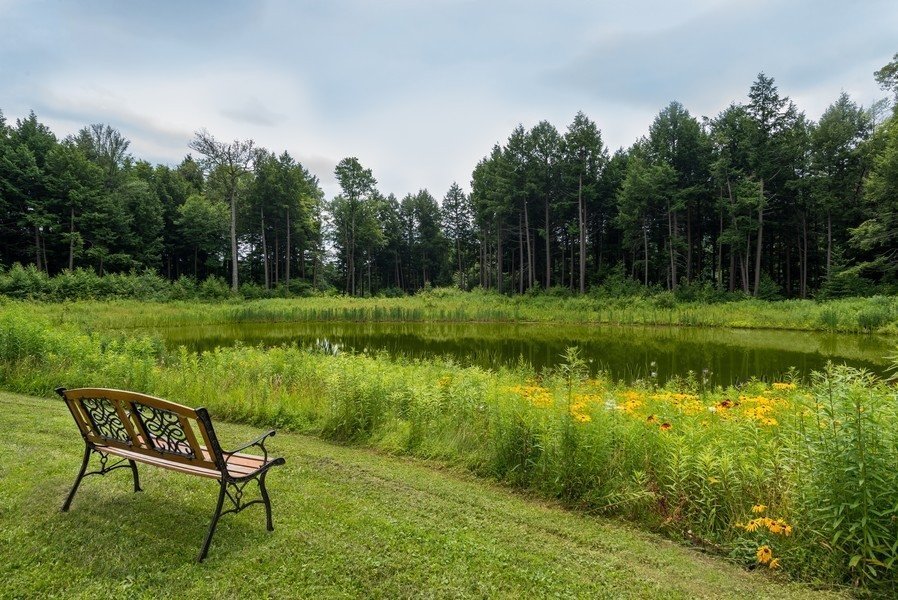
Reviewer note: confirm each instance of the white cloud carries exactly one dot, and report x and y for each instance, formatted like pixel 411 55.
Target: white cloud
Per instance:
pixel 419 92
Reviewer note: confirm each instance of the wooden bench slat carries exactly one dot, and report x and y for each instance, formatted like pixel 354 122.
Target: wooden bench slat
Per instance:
pixel 240 465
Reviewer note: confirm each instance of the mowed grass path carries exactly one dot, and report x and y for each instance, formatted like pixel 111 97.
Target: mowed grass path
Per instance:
pixel 349 523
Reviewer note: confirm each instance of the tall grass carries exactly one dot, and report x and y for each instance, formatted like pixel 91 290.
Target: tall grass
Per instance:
pixel 777 475
pixel 878 314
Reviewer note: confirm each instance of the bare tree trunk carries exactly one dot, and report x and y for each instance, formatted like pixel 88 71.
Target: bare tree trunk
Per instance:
pixel 265 251
pixel 287 257
pixel 461 283
pixel 760 241
pixel 804 260
pixel 37 248
pixel 483 283
pixel 688 245
pixel 645 250
pixel 72 241
pixel 829 242
pixel 563 258
pixel 582 219
pixel 530 274
pixel 572 266
pixel 235 284
pixel 719 270
pixel 788 270
pixel 521 252
pixel 499 256
pixel 671 228
pixel 732 283
pixel 549 251
pixel 352 257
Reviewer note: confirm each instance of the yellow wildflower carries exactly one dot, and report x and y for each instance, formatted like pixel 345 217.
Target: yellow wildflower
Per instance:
pixel 758 508
pixel 764 554
pixel 774 564
pixel 783 386
pixel 666 426
pixel 535 394
pixel 751 526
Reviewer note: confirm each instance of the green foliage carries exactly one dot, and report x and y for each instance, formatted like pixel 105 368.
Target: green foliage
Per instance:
pixel 874 317
pixel 213 288
pixel 618 285
pixel 760 198
pixel 845 284
pixel 768 289
pixel 850 450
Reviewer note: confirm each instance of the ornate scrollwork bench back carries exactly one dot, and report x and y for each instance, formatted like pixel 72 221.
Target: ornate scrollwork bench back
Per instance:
pixel 138 428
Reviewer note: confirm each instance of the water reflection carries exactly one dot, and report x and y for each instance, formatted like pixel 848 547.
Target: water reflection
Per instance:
pixel 721 356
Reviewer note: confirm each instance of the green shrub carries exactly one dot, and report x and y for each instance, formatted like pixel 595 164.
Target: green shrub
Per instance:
pixel 829 318
pixel 768 289
pixel 845 284
pixel 618 285
pixel 873 317
pixel 214 288
pixel 391 292
pixel 254 291
pixel 25 283
pixel 665 300
pixel 183 288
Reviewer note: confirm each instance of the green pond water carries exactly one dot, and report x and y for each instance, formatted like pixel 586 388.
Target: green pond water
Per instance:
pixel 721 356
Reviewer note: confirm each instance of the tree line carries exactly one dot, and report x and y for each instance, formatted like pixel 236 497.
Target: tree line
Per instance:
pixel 759 199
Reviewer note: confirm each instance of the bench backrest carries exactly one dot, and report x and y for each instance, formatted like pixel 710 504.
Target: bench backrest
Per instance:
pixel 144 424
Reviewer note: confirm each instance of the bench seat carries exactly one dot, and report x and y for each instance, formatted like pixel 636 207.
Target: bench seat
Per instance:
pixel 137 428
pixel 239 465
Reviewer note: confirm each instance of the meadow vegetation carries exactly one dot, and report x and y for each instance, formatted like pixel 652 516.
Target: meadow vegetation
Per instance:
pixel 349 522
pixel 147 300
pixel 781 476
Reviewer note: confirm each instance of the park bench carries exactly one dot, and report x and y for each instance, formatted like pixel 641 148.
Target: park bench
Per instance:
pixel 127 428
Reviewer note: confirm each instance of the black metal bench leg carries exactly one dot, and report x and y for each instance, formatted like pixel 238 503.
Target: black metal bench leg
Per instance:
pixel 137 487
pixel 267 501
pixel 68 501
pixel 214 523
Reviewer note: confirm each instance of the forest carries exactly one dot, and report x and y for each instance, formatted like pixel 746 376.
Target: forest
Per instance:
pixel 760 200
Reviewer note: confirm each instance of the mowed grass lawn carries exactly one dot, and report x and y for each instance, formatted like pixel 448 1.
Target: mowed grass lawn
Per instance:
pixel 349 522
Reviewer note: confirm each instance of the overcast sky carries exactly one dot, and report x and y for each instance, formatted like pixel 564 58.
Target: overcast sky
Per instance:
pixel 419 91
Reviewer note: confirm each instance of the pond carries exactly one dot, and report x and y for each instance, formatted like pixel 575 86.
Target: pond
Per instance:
pixel 722 356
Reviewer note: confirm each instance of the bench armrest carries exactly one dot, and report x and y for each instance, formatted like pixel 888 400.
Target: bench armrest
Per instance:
pixel 258 443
